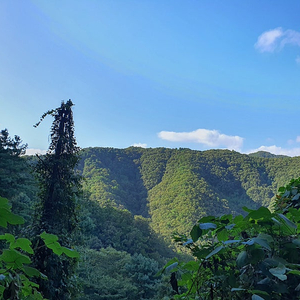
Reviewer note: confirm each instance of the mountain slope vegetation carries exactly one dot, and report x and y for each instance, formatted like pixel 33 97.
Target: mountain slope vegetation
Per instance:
pixel 175 187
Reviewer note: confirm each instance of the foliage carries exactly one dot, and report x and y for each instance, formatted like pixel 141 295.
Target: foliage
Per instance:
pixel 60 187
pixel 177 186
pixel 243 257
pixel 16 272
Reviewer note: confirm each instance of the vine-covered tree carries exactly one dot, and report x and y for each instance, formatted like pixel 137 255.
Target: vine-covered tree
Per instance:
pixel 59 189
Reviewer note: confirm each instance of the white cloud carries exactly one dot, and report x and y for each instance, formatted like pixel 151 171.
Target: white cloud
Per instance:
pixel 268 41
pixel 298 139
pixel 211 138
pixel 278 150
pixel 276 39
pixel 35 151
pixel 139 145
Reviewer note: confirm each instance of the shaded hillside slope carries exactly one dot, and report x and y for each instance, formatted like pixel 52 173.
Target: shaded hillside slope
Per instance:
pixel 175 187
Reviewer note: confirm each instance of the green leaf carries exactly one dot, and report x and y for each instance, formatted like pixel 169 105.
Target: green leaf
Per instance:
pixel 222 235
pixel 215 251
pixel 171 267
pixel 279 272
pixel 262 212
pixel 55 247
pixel 7 236
pixel 31 272
pixel 207 226
pixel 231 242
pixel 256 297
pixel 262 243
pixel 237 290
pixel 287 221
pixel 295 272
pixel 23 244
pixel 70 252
pixel 242 259
pixel 189 241
pixel 14 258
pixel 196 233
pixel 48 237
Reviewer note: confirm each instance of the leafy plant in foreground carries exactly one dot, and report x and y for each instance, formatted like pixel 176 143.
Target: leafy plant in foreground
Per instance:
pixel 252 257
pixel 16 272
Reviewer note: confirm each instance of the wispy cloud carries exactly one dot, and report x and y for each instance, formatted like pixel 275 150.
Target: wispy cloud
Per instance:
pixel 35 151
pixel 211 138
pixel 276 39
pixel 298 59
pixel 278 150
pixel 268 41
pixel 139 145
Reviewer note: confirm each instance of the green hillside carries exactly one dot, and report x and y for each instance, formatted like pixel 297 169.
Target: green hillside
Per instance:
pixel 175 187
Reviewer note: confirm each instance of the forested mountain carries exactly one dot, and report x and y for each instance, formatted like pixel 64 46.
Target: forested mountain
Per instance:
pixel 134 199
pixel 175 187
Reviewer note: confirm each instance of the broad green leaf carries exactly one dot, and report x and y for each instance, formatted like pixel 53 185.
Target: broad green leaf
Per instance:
pixel 262 212
pixel 237 290
pixel 231 242
pixel 248 210
pixel 266 237
pixel 279 272
pixel 295 272
pixel 23 244
pixel 189 241
pixel 222 235
pixel 70 252
pixel 48 237
pixel 256 297
pixel 242 258
pixel 31 271
pixel 207 226
pixel 230 226
pixel 55 247
pixel 7 236
pixel 287 221
pixel 14 258
pixel 296 242
pixel 215 251
pixel 262 243
pixel 171 267
pixel 195 233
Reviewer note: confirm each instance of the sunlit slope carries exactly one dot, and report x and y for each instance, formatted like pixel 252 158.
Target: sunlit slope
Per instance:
pixel 175 187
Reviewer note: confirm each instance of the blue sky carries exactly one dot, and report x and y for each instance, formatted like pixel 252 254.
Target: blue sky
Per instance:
pixel 160 73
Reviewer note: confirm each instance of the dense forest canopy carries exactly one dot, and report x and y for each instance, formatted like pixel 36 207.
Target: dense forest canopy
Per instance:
pixel 135 199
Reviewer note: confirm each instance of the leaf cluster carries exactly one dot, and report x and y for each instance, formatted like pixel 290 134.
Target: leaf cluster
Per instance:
pixel 242 257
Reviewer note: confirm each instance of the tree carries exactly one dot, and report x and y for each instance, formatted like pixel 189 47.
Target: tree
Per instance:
pixel 59 189
pixel 11 165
